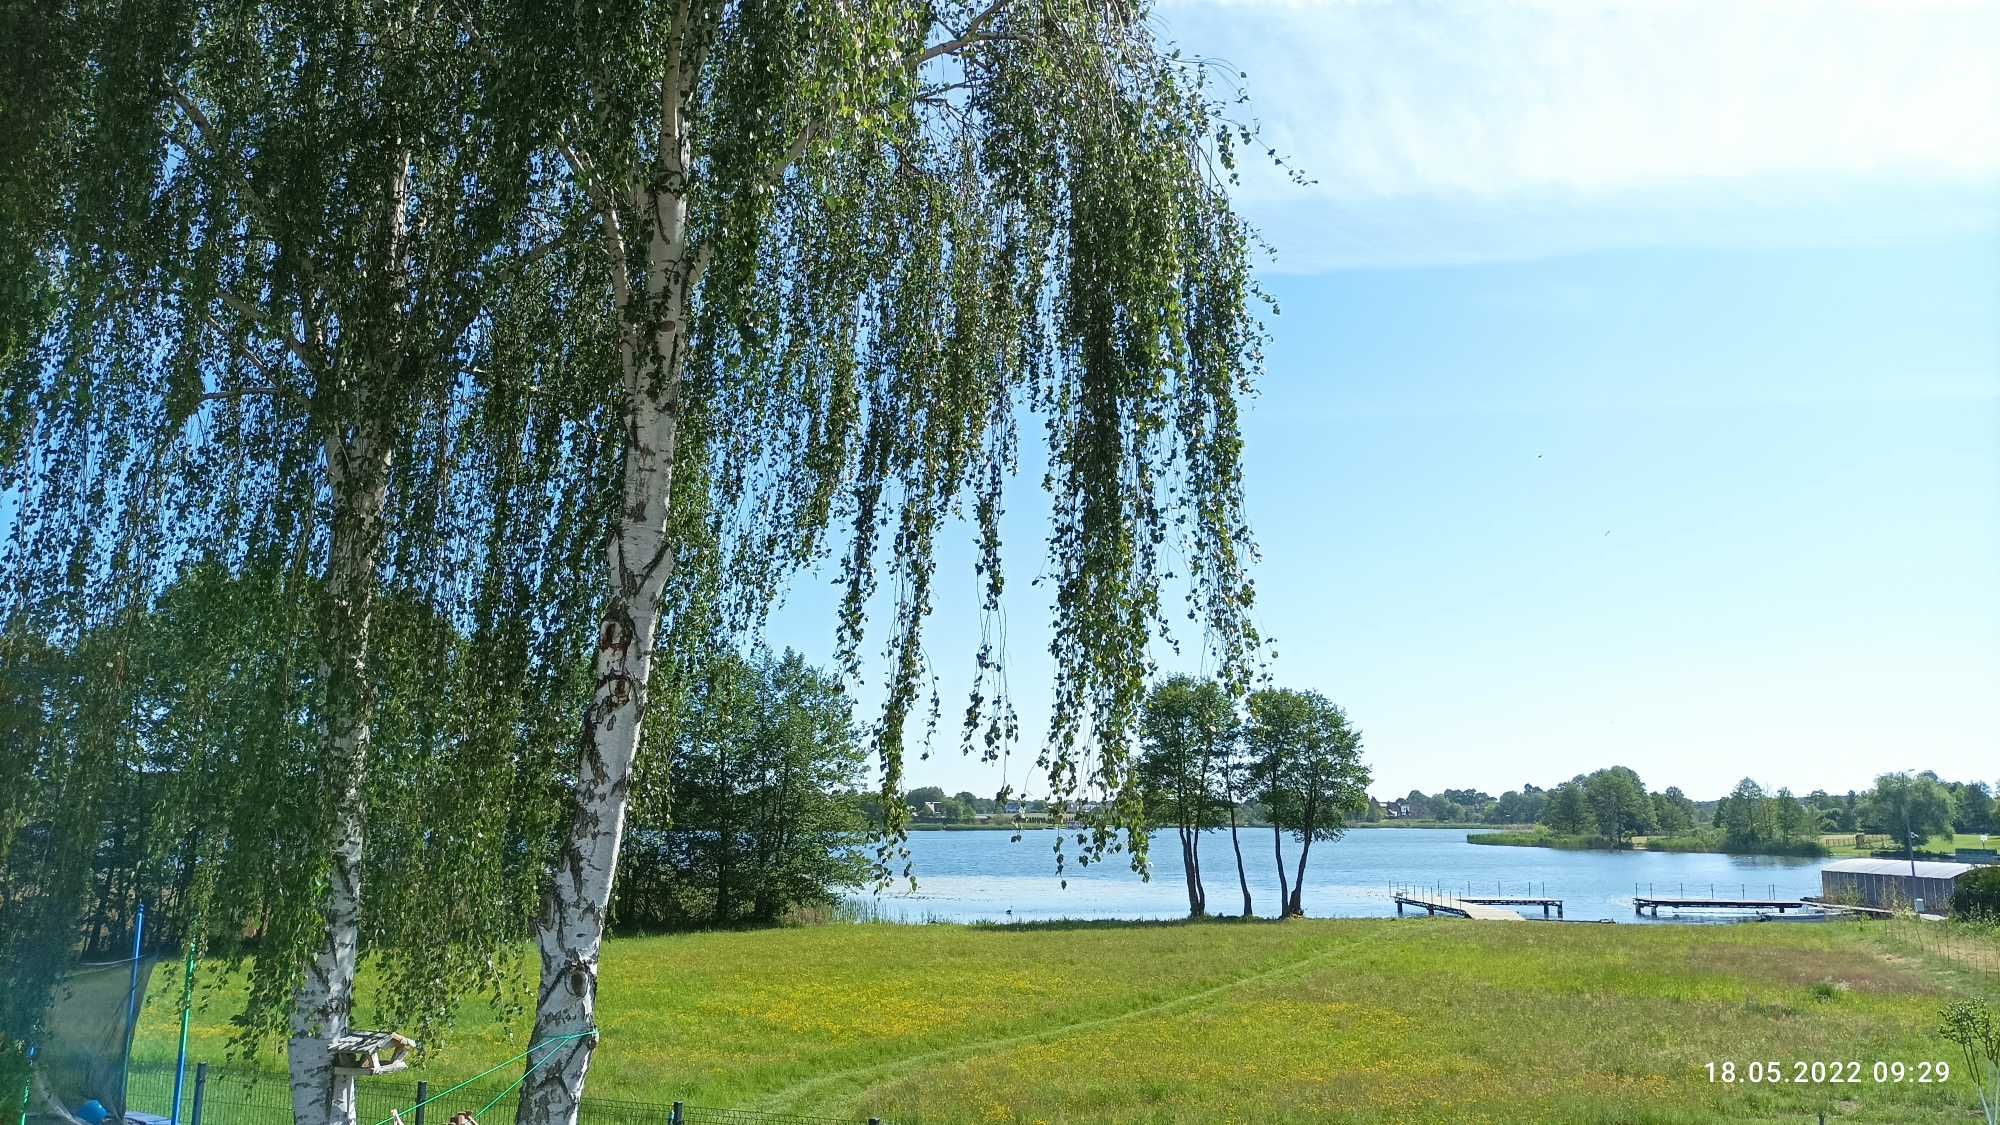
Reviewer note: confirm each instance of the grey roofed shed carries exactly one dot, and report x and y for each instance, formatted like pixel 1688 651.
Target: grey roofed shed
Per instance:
pixel 1890 883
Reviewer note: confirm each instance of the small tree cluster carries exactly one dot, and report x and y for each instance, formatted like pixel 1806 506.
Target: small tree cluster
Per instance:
pixel 1750 818
pixel 1910 807
pixel 742 816
pixel 1291 753
pixel 1612 803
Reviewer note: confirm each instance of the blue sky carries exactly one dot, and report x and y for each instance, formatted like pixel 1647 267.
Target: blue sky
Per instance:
pixel 1635 398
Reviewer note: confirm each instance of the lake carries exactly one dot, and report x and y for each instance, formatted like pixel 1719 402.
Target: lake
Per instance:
pixel 982 876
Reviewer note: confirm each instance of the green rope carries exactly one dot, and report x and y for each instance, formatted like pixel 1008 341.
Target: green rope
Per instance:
pixel 525 1075
pixel 391 1119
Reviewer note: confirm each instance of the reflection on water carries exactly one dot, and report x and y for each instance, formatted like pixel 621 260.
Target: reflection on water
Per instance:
pixel 984 877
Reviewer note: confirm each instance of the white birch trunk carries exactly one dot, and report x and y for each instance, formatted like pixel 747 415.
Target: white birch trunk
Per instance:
pixel 325 1001
pixel 575 909
pixel 358 471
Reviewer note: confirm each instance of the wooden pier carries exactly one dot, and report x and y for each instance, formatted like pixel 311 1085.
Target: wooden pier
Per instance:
pixel 1547 904
pixel 1641 904
pixel 1457 908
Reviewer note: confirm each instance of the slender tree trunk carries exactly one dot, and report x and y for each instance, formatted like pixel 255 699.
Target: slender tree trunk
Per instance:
pixel 1242 876
pixel 1297 906
pixel 725 839
pixel 94 943
pixel 1194 861
pixel 780 833
pixel 359 470
pixel 1278 849
pixel 570 934
pixel 1307 823
pixel 1187 873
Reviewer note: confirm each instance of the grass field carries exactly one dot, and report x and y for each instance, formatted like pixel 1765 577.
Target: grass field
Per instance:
pixel 1842 844
pixel 1249 1022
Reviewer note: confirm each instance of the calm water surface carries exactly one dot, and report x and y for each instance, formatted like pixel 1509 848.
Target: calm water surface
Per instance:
pixel 984 877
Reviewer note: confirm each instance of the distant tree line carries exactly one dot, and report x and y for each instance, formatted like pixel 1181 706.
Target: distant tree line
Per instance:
pixel 1462 806
pixel 1611 806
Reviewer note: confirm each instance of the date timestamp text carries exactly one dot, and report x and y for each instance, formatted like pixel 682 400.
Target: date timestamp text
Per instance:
pixel 1828 1071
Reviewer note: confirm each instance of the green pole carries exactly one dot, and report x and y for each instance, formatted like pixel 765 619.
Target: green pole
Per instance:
pixel 28 1086
pixel 187 1011
pixel 131 1013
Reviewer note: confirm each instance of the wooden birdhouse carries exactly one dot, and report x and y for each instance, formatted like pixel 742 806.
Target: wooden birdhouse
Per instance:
pixel 367 1053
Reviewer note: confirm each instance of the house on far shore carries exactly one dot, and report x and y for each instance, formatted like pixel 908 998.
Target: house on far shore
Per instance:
pixel 1888 883
pixel 1396 810
pixel 1018 810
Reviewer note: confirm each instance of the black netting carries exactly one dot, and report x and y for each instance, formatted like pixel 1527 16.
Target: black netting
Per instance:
pixel 87 1040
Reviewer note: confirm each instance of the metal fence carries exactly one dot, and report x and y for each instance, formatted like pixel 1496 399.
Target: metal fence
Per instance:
pixel 216 1096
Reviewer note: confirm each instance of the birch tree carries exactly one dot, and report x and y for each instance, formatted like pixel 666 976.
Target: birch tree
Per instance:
pixel 256 243
pixel 1314 778
pixel 1187 732
pixel 842 246
pixel 292 306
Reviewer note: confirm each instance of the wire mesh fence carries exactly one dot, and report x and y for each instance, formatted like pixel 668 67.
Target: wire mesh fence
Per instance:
pixel 253 1098
pixel 1967 951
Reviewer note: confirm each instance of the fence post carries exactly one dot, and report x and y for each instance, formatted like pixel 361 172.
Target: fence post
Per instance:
pixel 423 1095
pixel 200 1090
pixel 676 1119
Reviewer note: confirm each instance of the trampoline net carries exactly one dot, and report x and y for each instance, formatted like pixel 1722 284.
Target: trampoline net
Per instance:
pixel 87 1036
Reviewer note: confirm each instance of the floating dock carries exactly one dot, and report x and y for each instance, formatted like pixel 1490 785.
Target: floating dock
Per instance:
pixel 1547 904
pixel 1457 908
pixel 1641 904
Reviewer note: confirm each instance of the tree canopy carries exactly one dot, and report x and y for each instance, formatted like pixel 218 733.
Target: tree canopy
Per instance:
pixel 1309 775
pixel 576 332
pixel 741 815
pixel 1910 807
pixel 1189 735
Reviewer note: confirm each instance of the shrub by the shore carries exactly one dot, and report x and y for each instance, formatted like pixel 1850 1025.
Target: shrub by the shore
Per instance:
pixel 1545 839
pixel 1687 842
pixel 1715 841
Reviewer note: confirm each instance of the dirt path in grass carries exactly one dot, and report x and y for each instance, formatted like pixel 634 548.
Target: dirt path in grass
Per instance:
pixel 790 1098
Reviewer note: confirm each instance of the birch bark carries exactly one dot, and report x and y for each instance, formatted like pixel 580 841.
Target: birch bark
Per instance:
pixel 357 467
pixel 325 1001
pixel 639 558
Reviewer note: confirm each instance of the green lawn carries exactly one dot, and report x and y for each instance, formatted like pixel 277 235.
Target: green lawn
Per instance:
pixel 1258 1022
pixel 1842 844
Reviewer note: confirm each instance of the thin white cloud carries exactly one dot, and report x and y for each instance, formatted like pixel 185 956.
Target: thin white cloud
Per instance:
pixel 1715 115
